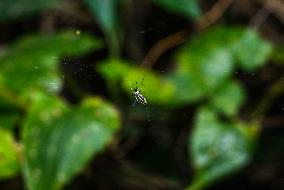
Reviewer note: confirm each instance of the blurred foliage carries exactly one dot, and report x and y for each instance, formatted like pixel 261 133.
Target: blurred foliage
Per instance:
pixel 58 139
pixel 19 8
pixel 106 14
pixel 222 99
pixel 29 76
pixel 218 147
pixel 9 165
pixel 278 55
pixel 196 75
pixel 37 57
pixel 8 119
pixel 187 8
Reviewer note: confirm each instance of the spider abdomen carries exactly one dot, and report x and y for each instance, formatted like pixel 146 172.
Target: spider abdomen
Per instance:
pixel 140 98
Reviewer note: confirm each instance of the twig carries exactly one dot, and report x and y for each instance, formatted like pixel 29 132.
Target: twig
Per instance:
pixel 260 17
pixel 179 37
pixel 213 14
pixel 162 46
pixel 277 7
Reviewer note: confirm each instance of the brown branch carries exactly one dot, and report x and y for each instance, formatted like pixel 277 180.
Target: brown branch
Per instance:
pixel 162 46
pixel 179 37
pixel 277 7
pixel 260 16
pixel 213 14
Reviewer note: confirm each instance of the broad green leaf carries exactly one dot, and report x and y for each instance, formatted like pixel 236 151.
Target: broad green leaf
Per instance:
pixel 21 8
pixel 9 164
pixel 105 12
pixel 59 140
pixel 252 51
pixel 187 8
pixel 228 98
pixel 218 148
pixel 33 61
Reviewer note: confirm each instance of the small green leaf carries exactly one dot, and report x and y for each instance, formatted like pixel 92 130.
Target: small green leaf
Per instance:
pixel 33 61
pixel 59 140
pixel 187 8
pixel 9 164
pixel 22 8
pixel 217 148
pixel 201 71
pixel 228 98
pixel 252 51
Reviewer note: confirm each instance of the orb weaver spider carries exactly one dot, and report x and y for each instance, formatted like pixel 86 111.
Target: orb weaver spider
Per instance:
pixel 138 95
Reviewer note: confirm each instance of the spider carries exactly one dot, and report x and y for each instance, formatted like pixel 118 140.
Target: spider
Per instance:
pixel 138 96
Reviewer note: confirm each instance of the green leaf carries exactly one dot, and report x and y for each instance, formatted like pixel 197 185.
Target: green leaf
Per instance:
pixel 59 140
pixel 201 69
pixel 33 61
pixel 228 98
pixel 9 164
pixel 155 89
pixel 207 61
pixel 217 148
pixel 187 8
pixel 105 12
pixel 252 51
pixel 22 8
